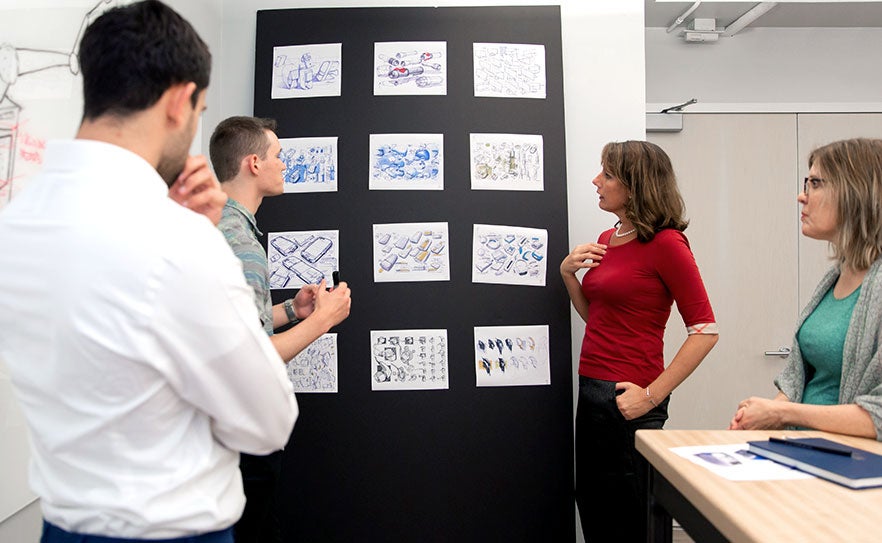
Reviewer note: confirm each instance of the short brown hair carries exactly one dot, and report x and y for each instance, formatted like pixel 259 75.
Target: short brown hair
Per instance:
pixel 234 139
pixel 646 171
pixel 853 170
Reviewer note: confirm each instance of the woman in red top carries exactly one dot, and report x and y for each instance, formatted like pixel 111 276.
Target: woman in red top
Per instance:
pixel 636 270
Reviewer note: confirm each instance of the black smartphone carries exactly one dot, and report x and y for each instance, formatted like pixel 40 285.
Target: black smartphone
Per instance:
pixel 335 277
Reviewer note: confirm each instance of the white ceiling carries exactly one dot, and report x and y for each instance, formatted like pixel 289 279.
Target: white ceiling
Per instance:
pixel 789 14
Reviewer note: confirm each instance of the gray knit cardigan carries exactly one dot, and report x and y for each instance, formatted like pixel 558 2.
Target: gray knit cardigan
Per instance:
pixel 861 382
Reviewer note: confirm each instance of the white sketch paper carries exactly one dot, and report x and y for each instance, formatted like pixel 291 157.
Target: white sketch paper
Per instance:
pixel 507 162
pixel 311 164
pixel 509 255
pixel 512 356
pixel 315 368
pixel 305 71
pixel 409 359
pixel 404 67
pixel 407 162
pixel 736 463
pixel 509 70
pixel 411 252
pixel 302 258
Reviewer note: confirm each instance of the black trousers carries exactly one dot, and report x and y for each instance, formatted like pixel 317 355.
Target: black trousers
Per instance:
pixel 260 520
pixel 611 476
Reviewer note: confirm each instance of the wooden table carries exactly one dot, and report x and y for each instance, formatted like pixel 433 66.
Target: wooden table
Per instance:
pixel 711 508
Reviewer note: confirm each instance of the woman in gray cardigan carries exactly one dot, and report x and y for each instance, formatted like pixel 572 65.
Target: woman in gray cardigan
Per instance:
pixel 833 377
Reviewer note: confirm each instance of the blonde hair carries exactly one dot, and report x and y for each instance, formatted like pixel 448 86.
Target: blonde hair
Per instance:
pixel 646 171
pixel 853 171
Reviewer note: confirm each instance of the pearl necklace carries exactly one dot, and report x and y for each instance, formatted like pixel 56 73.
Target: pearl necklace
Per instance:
pixel 619 234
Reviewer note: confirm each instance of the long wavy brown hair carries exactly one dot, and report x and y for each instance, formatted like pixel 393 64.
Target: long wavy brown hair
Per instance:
pixel 646 171
pixel 853 171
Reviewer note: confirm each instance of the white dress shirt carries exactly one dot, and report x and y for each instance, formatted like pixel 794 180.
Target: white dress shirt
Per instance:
pixel 135 350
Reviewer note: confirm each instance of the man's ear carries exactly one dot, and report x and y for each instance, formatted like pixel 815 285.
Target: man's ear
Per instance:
pixel 252 163
pixel 179 105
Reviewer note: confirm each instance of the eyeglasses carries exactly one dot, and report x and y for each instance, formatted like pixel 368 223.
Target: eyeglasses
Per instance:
pixel 811 183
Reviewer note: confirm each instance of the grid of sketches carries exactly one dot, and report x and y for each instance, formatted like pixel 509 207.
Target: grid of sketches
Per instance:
pixel 407 162
pixel 302 71
pixel 411 252
pixel 509 70
pixel 315 368
pixel 507 162
pixel 509 255
pixel 302 258
pixel 512 355
pixel 410 68
pixel 311 164
pixel 409 359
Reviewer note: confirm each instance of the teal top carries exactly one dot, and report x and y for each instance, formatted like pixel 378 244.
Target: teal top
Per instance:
pixel 821 340
pixel 861 382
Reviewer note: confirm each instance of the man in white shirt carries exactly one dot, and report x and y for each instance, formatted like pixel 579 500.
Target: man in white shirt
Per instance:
pixel 129 332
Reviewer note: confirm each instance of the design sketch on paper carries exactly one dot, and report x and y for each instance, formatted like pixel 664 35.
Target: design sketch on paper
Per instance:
pixel 409 359
pixel 410 68
pixel 302 258
pixel 507 162
pixel 411 252
pixel 28 74
pixel 509 255
pixel 509 70
pixel 311 164
pixel 512 356
pixel 315 368
pixel 304 71
pixel 407 162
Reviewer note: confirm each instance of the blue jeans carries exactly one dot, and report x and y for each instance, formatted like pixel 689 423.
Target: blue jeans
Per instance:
pixel 54 534
pixel 611 476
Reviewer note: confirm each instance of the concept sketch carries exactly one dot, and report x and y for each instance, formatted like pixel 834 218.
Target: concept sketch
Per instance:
pixel 302 71
pixel 315 368
pixel 311 164
pixel 17 65
pixel 411 252
pixel 302 258
pixel 509 70
pixel 407 162
pixel 410 68
pixel 409 359
pixel 509 255
pixel 512 355
pixel 507 162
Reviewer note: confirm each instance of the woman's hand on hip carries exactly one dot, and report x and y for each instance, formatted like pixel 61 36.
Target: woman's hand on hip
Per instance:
pixel 632 401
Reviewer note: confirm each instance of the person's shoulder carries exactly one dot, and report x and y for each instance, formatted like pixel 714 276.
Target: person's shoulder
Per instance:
pixel 192 234
pixel 670 236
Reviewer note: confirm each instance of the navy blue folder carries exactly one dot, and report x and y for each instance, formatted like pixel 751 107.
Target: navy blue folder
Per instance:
pixel 860 469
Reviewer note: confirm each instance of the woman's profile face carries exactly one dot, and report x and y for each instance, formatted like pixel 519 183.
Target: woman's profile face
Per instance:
pixel 819 217
pixel 612 193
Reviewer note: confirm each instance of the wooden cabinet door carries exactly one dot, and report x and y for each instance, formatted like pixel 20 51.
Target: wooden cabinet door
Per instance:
pixel 737 174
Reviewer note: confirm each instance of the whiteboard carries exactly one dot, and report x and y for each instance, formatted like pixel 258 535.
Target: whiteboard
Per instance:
pixel 14 452
pixel 40 99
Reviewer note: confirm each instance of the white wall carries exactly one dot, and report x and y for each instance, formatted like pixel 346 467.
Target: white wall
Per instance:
pixel 767 69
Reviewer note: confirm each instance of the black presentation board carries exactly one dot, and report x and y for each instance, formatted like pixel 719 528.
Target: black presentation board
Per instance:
pixel 467 463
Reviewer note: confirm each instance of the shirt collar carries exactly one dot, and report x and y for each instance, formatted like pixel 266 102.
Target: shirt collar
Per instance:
pixel 108 163
pixel 233 204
